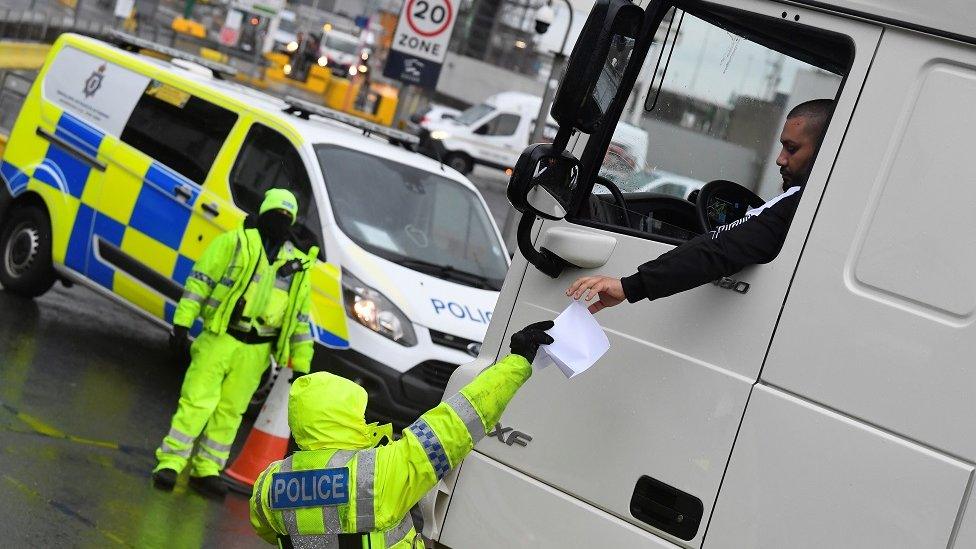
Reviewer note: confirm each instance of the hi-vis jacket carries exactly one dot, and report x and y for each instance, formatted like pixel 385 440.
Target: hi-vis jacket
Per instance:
pixel 221 277
pixel 383 483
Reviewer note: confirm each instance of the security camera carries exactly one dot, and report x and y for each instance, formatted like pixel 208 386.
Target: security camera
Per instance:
pixel 543 18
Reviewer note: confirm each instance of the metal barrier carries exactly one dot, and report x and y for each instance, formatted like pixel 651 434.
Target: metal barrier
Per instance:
pixel 37 26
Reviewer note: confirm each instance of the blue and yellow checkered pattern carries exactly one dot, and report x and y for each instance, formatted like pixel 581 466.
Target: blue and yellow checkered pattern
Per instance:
pixel 432 446
pixel 152 221
pixel 132 205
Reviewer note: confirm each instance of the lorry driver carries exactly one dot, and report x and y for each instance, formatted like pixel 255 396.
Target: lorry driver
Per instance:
pixel 756 238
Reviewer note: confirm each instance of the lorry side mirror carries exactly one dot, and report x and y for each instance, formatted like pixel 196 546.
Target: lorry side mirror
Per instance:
pixel 542 185
pixel 543 181
pixel 597 64
pixel 482 130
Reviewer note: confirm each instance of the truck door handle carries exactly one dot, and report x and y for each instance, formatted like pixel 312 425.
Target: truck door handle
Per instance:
pixel 584 249
pixel 666 508
pixel 211 208
pixel 182 191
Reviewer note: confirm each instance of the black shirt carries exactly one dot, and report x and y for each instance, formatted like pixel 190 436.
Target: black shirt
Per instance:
pixel 727 250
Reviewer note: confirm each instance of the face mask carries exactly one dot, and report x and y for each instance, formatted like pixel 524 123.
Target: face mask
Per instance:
pixel 274 226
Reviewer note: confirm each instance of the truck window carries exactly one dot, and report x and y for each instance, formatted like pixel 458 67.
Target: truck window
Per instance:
pixel 717 114
pixel 267 160
pixel 502 125
pixel 178 129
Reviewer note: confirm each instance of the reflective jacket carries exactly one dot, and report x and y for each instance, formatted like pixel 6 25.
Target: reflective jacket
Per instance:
pixel 220 278
pixel 384 482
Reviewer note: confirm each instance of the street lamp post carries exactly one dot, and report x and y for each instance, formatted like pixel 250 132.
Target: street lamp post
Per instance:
pixel 509 230
pixel 559 59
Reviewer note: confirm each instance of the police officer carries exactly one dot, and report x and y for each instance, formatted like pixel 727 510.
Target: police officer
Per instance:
pixel 251 286
pixel 342 491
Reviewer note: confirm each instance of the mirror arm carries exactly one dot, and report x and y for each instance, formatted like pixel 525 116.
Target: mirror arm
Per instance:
pixel 545 260
pixel 561 140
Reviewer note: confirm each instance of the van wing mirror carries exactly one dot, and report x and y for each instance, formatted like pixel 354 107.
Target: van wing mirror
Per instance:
pixel 542 185
pixel 597 64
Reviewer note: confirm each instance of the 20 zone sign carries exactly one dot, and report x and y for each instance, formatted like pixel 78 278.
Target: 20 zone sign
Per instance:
pixel 429 18
pixel 420 42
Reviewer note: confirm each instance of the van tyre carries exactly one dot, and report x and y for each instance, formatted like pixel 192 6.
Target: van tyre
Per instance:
pixel 25 252
pixel 460 162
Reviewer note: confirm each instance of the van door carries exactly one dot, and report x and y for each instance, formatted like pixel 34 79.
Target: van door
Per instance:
pixel 499 139
pixel 267 159
pixel 78 122
pixel 645 435
pixel 153 194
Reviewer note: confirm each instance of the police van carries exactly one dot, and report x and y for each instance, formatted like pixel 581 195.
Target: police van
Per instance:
pixel 822 400
pixel 123 166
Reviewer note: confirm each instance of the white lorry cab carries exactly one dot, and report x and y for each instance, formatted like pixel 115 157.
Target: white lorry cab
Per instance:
pixel 122 167
pixel 823 399
pixel 495 132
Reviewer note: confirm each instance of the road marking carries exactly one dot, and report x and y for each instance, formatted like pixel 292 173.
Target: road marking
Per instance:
pixel 63 508
pixel 41 428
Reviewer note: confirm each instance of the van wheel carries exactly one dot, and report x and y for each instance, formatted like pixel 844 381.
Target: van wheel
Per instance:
pixel 25 252
pixel 459 162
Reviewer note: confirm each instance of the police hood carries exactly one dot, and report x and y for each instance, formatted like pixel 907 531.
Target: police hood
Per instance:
pixel 438 304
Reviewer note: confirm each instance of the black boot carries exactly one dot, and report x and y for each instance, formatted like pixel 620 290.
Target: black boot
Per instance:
pixel 164 479
pixel 210 486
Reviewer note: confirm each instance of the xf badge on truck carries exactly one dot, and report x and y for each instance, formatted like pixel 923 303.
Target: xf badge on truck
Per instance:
pixel 510 436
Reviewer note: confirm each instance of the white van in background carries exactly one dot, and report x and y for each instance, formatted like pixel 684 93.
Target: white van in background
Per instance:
pixel 284 31
pixel 341 49
pixel 495 132
pixel 824 399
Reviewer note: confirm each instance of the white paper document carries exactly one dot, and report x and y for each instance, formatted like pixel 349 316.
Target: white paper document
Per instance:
pixel 579 342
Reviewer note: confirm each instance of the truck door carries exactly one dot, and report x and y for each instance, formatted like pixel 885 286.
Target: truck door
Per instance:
pixel 645 435
pixel 161 216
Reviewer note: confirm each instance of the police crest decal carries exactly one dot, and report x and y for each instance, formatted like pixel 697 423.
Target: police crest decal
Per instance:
pixel 94 82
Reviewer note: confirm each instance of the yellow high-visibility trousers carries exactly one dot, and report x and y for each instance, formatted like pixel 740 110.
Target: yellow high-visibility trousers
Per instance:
pixel 223 375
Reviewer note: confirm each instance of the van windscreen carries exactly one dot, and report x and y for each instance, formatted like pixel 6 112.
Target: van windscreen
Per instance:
pixel 413 217
pixel 473 114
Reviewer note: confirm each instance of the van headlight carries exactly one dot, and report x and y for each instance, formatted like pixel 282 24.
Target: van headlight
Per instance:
pixel 374 310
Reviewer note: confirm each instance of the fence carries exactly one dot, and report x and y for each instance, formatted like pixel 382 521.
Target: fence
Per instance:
pixel 37 26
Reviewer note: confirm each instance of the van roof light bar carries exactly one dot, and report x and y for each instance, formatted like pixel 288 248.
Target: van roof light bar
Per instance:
pixel 127 41
pixel 304 108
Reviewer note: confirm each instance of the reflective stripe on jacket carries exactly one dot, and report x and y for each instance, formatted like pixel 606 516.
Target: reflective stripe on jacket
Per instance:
pixel 385 482
pixel 221 276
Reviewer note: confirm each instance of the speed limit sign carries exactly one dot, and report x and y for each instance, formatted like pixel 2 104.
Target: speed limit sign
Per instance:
pixel 420 42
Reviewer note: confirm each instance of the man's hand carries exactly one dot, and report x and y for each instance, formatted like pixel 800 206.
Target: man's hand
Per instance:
pixel 526 341
pixel 610 290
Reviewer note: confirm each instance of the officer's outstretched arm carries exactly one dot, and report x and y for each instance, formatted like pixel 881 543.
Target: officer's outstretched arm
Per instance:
pixel 408 468
pixel 206 274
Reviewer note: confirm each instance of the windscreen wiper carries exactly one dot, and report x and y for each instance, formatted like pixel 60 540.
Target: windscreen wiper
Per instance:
pixel 447 271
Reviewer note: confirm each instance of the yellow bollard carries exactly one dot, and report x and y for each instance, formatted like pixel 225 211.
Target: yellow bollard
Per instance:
pixel 189 26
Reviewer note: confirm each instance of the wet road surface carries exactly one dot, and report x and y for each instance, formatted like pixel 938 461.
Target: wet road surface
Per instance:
pixel 87 389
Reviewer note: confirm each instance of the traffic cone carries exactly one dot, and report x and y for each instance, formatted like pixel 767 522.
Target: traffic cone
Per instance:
pixel 268 439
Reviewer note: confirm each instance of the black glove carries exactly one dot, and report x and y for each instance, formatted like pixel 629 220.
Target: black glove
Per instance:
pixel 526 341
pixel 179 341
